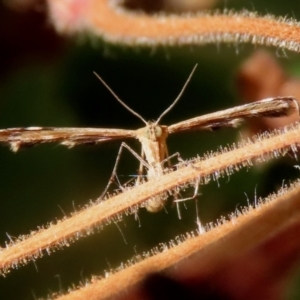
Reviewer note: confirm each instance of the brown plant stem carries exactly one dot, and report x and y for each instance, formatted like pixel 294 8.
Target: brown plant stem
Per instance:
pixel 260 269
pixel 188 261
pixel 102 18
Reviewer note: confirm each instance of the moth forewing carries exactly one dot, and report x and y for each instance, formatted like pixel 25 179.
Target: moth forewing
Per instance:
pixel 29 136
pixel 270 107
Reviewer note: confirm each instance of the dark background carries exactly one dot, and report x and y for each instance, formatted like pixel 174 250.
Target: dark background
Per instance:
pixel 47 80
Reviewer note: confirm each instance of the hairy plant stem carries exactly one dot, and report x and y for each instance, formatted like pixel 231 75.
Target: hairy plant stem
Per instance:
pixel 102 18
pixel 221 244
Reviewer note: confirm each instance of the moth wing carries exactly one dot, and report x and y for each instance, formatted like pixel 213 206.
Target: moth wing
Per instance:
pixel 232 117
pixel 29 136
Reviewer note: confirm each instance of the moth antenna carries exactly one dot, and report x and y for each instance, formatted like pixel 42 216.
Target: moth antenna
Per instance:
pixel 119 100
pixel 178 97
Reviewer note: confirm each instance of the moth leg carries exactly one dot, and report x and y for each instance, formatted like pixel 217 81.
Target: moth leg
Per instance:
pixel 141 167
pixel 201 229
pixel 196 193
pixel 114 172
pixel 194 197
pixel 168 160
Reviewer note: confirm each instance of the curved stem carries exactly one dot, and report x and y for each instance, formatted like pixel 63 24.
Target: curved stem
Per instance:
pixel 108 20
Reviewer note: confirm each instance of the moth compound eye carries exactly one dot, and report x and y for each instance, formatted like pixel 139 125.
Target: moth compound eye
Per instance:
pixel 158 131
